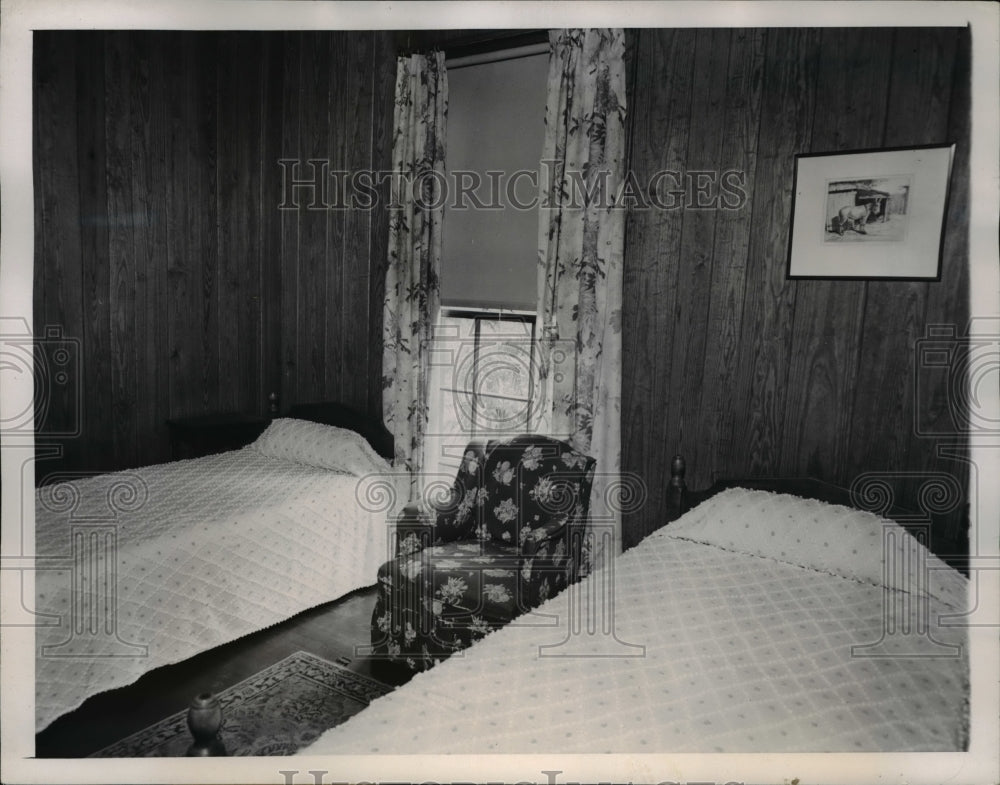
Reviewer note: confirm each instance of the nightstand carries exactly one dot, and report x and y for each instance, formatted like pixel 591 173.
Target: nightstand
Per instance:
pixel 192 437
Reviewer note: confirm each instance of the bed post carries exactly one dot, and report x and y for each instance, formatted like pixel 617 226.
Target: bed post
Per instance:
pixel 204 718
pixel 677 489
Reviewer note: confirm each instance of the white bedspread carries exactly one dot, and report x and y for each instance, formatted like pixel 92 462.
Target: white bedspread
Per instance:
pixel 219 547
pixel 747 608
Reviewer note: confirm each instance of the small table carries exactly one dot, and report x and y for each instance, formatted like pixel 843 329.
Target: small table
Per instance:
pixel 193 437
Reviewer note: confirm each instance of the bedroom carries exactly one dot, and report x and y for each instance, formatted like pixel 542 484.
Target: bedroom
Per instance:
pixel 161 251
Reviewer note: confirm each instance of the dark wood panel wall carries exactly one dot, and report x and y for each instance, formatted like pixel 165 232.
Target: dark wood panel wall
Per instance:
pixel 728 363
pixel 160 249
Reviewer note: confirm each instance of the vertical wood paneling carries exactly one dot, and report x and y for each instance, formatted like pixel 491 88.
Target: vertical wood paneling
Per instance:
pixel 952 303
pixel 354 339
pixel 894 311
pixel 58 279
pixel 344 103
pixel 292 92
pixel 769 302
pixel 383 86
pixel 637 372
pixel 149 245
pixel 732 234
pixel 850 113
pixel 947 302
pixel 250 390
pixel 182 275
pixel 696 254
pixel 203 88
pixel 676 121
pixel 120 80
pixel 97 418
pixel 240 151
pixel 231 234
pixel 797 377
pixel 160 243
pixel 314 271
pixel 660 111
pixel 269 218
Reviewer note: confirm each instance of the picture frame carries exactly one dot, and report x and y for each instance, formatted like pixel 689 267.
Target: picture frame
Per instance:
pixel 870 214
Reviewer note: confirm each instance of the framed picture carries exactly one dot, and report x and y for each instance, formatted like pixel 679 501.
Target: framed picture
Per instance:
pixel 870 213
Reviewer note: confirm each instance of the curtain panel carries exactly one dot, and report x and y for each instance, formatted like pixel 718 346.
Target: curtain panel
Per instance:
pixel 581 245
pixel 412 288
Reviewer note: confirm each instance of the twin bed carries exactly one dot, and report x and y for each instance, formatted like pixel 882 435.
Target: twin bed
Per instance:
pixel 149 567
pixel 756 622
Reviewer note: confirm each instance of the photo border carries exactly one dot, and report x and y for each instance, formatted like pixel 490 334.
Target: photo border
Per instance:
pixel 978 764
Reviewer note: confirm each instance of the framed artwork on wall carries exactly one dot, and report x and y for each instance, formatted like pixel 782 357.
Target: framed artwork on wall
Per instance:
pixel 870 214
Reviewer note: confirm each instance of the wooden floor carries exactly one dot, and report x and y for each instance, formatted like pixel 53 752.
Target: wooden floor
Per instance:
pixel 330 631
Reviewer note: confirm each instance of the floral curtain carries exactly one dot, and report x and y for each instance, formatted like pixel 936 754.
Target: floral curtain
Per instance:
pixel 412 286
pixel 581 242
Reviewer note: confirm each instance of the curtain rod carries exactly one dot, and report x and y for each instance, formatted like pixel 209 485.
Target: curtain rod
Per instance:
pixel 496 56
pixel 495 43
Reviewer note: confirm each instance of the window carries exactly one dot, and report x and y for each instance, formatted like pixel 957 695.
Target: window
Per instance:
pixel 482 385
pixel 496 127
pixel 481 365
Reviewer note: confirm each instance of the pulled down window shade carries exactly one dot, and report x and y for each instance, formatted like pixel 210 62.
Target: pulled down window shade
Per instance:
pixel 495 125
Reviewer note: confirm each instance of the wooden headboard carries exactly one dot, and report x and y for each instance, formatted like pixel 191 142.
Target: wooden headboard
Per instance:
pixel 331 413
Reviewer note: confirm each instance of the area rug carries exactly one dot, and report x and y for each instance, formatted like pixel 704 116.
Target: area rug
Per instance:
pixel 274 712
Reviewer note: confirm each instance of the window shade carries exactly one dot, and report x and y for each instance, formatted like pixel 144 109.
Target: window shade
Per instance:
pixel 496 116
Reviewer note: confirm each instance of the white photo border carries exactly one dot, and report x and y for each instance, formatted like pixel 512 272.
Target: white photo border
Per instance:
pixel 978 764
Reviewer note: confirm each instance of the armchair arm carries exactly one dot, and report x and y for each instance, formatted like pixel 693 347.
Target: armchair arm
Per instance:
pixel 416 527
pixel 532 538
pixel 414 530
pixel 550 558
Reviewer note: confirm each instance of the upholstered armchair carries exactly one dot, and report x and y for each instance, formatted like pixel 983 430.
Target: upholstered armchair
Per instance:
pixel 508 538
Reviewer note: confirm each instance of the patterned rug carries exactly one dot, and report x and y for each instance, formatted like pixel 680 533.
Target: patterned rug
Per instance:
pixel 274 712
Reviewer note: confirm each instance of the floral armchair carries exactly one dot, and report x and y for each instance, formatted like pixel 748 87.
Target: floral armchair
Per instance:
pixel 509 538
